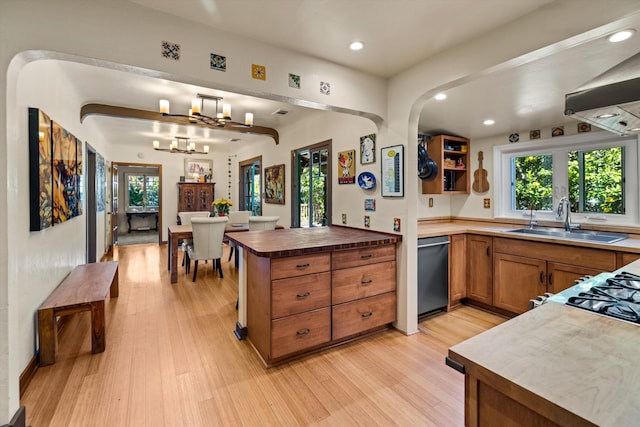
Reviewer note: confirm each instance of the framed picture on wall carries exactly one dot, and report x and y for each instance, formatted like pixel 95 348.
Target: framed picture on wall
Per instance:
pixel 368 149
pixel 274 184
pixel 197 168
pixel 392 164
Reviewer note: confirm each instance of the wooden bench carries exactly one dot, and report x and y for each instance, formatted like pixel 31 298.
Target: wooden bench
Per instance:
pixel 84 289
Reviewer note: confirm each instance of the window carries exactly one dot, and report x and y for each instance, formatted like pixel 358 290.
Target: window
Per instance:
pixel 143 191
pixel 598 172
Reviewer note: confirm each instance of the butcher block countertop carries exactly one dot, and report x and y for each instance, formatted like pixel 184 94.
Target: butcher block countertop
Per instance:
pixel 296 241
pixel 495 229
pixel 572 366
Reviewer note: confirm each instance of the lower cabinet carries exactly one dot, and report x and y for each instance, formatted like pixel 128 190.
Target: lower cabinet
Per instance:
pixel 480 268
pixel 523 270
pixel 304 302
pixel 457 268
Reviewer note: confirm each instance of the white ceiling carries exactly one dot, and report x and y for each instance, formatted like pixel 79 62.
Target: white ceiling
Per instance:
pixel 397 34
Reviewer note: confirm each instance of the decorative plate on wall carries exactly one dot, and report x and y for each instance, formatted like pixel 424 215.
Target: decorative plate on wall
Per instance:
pixel 367 180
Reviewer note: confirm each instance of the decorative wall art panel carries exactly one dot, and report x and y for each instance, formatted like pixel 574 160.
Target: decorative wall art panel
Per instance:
pixel 102 183
pixel 346 167
pixel 325 88
pixel 170 50
pixel 294 81
pixel 584 127
pixel 65 195
pixel 557 131
pixel 368 149
pixel 218 62
pixel 534 134
pixel 40 173
pixel 392 165
pixel 79 190
pixel 258 72
pixel 274 184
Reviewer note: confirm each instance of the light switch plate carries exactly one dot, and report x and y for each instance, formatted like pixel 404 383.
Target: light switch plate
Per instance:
pixel 430 202
pixel 487 203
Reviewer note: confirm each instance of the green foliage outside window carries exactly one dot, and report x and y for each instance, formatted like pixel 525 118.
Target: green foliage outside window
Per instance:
pixel 602 179
pixel 534 182
pixel 143 191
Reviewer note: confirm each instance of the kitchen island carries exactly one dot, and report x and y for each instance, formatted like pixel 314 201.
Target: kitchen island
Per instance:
pixel 554 365
pixel 304 289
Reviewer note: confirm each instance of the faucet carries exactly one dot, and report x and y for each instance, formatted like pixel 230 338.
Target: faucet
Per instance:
pixel 532 222
pixel 564 210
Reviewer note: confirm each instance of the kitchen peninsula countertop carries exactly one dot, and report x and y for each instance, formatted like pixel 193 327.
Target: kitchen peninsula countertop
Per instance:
pixel 297 241
pixel 572 366
pixel 442 228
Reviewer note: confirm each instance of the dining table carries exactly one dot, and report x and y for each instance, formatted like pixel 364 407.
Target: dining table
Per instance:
pixel 177 233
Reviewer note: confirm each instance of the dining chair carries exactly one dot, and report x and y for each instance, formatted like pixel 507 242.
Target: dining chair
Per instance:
pixel 263 222
pixel 237 217
pixel 207 241
pixel 185 219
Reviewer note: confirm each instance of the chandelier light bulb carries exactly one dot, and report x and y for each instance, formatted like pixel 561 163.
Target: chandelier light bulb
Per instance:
pixel 156 145
pixel 164 106
pixel 195 106
pixel 206 149
pixel 226 111
pixel 248 119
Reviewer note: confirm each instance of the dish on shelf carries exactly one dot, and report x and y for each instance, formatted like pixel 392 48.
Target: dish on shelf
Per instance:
pixel 367 180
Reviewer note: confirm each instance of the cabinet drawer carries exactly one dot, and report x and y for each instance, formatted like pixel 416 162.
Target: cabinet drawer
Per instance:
pixel 282 268
pixel 361 315
pixel 362 256
pixel 365 281
pixel 301 331
pixel 298 294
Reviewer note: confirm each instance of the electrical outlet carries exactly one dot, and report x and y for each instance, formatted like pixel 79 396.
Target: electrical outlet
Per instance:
pixel 430 202
pixel 487 203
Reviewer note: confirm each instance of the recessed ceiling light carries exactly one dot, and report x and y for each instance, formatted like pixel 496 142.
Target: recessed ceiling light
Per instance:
pixel 634 130
pixel 620 36
pixel 356 45
pixel 489 122
pixel 441 96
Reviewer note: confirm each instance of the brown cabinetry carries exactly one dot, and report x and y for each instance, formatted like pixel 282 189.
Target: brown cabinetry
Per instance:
pixel 480 268
pixel 451 153
pixel 457 268
pixel 523 270
pixel 304 302
pixel 195 196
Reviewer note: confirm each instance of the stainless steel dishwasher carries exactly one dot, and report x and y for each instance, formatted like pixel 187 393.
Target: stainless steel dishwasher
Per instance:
pixel 433 274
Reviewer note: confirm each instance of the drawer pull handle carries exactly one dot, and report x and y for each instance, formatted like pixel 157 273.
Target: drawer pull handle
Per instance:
pixel 303 294
pixel 303 331
pixel 366 256
pixel 302 265
pixel 366 282
pixel 367 314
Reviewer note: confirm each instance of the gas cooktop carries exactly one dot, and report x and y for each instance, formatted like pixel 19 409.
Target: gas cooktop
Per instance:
pixel 610 295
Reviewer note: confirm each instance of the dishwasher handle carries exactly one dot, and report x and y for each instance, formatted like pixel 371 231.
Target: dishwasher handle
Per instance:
pixel 428 245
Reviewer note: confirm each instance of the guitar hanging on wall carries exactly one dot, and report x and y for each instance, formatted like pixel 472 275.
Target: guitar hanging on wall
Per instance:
pixel 480 183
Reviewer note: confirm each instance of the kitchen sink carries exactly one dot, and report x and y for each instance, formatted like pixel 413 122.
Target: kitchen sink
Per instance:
pixel 585 235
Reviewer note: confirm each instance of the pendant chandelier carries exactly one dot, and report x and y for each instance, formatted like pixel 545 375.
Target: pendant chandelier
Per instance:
pixel 196 115
pixel 176 146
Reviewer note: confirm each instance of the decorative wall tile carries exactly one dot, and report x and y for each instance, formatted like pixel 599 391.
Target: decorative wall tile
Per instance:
pixel 171 50
pixel 258 72
pixel 325 88
pixel 369 204
pixel 514 137
pixel 218 62
pixel 344 219
pixel 557 131
pixel 396 225
pixel 584 127
pixel 294 81
pixel 367 221
pixel 534 134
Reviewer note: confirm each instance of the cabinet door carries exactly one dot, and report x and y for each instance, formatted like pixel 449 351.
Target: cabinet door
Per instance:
pixel 517 280
pixel 563 276
pixel 187 198
pixel 204 197
pixel 457 268
pixel 480 268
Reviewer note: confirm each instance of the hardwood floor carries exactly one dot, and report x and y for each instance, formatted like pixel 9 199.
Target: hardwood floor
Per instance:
pixel 172 359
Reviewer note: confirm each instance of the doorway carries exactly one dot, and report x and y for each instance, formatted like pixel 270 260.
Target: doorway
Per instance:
pixel 137 203
pixel 311 187
pixel 250 194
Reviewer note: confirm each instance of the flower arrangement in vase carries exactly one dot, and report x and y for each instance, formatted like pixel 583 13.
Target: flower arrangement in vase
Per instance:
pixel 222 206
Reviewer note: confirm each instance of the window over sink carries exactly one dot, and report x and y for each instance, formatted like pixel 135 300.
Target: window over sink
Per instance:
pixel 598 172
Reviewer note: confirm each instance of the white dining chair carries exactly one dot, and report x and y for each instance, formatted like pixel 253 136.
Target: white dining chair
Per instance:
pixel 207 242
pixel 263 222
pixel 237 217
pixel 185 219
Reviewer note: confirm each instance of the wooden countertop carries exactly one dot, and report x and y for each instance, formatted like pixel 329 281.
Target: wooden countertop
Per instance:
pixel 430 229
pixel 564 361
pixel 295 241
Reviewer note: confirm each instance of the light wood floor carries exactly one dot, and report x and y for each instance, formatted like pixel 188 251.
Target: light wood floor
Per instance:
pixel 172 360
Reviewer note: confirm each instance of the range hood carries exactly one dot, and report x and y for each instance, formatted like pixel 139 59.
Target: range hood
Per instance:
pixel 610 101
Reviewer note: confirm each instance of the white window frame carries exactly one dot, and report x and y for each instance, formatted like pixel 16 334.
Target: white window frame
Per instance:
pixel 145 175
pixel 559 147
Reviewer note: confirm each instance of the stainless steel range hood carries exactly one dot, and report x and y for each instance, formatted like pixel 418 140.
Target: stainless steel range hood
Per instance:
pixel 611 101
